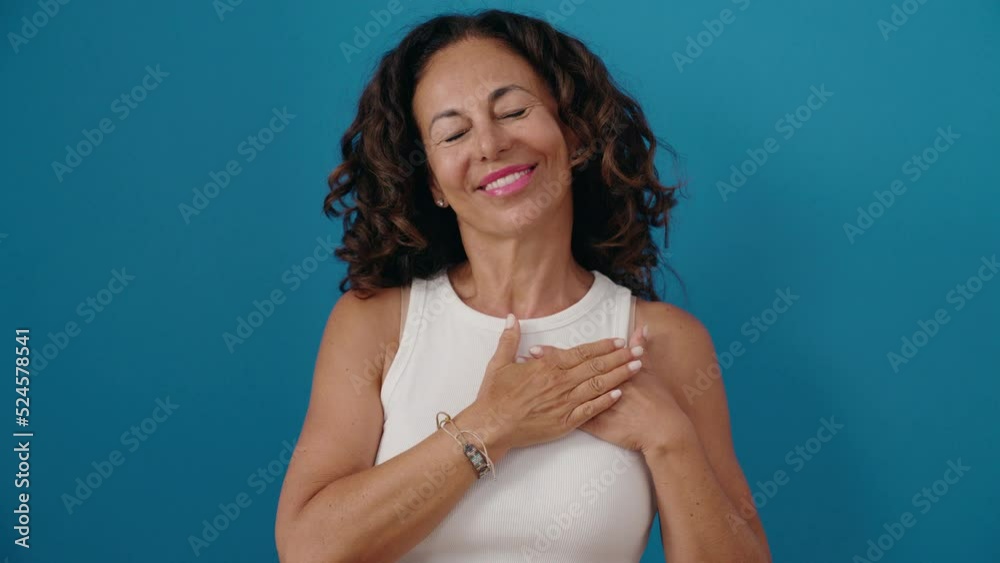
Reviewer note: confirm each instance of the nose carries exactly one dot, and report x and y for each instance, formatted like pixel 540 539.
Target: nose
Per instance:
pixel 493 139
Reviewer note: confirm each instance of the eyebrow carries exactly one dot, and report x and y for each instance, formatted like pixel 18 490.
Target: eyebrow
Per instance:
pixel 493 97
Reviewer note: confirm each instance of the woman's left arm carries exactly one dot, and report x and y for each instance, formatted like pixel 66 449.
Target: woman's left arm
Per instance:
pixel 698 521
pixel 706 509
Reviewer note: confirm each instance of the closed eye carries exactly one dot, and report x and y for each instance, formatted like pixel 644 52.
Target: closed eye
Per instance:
pixel 518 113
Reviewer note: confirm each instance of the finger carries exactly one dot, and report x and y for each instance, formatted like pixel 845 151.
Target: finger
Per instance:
pixel 506 351
pixel 637 342
pixel 640 335
pixel 569 358
pixel 597 385
pixel 592 408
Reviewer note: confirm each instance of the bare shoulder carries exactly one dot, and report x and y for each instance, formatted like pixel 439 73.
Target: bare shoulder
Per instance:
pixel 678 343
pixel 343 423
pixel 370 323
pixel 672 324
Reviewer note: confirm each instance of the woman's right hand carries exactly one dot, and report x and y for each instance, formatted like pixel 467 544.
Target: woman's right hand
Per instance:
pixel 546 397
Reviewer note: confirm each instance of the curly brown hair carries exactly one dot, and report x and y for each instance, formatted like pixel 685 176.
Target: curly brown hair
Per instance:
pixel 393 232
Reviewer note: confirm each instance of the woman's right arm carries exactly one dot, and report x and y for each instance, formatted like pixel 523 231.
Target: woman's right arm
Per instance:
pixel 336 505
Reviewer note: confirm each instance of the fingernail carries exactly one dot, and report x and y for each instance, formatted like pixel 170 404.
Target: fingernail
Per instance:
pixel 535 350
pixel 510 320
pixel 634 365
pixel 615 393
pixel 645 331
pixel 637 351
pixel 619 342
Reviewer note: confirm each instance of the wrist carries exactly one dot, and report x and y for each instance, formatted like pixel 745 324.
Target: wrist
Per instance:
pixel 488 425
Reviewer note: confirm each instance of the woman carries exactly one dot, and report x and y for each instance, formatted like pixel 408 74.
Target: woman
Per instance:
pixel 503 200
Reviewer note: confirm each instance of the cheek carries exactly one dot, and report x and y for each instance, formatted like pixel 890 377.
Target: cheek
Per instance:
pixel 448 170
pixel 545 128
pixel 541 132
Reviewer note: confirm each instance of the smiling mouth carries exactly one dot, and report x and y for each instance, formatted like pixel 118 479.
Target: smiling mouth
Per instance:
pixel 510 178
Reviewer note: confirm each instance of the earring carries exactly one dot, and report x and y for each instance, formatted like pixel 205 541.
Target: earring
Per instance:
pixel 440 203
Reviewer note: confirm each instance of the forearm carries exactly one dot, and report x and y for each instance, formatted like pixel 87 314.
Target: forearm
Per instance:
pixel 379 514
pixel 703 524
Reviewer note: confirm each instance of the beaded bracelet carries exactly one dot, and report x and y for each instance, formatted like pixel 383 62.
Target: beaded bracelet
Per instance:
pixel 480 459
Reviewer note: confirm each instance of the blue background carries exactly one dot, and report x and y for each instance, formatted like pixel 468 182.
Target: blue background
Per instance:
pixel 161 337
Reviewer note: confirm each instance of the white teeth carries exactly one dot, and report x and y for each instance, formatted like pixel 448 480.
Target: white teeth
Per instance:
pixel 506 180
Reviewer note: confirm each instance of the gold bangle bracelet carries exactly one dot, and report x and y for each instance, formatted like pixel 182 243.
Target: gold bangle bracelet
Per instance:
pixel 480 460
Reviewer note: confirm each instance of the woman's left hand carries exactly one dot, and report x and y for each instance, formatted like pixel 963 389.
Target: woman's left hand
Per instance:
pixel 647 415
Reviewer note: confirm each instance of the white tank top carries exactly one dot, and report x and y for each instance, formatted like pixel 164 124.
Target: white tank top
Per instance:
pixel 577 499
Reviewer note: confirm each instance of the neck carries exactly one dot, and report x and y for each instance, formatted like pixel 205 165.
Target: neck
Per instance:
pixel 528 288
pixel 529 270
pixel 528 277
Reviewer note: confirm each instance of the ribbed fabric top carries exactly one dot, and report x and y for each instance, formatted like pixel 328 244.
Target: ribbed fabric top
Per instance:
pixel 577 499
